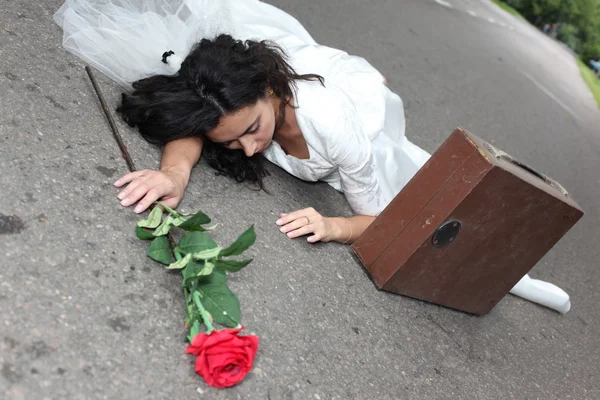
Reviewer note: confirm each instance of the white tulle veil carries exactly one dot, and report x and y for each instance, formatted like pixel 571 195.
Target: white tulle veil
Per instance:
pixel 127 39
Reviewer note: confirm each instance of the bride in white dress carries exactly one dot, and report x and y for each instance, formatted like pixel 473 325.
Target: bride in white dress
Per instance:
pixel 205 82
pixel 340 124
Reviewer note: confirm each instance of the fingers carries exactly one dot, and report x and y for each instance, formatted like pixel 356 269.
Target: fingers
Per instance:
pixel 314 238
pixel 146 187
pixel 301 223
pixel 133 184
pixel 128 178
pixel 287 218
pixel 293 225
pixel 134 191
pixel 141 191
pixel 150 197
pixel 301 231
pixel 125 194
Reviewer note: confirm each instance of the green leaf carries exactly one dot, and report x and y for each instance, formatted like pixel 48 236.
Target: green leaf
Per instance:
pixel 230 265
pixel 195 222
pixel 178 221
pixel 153 219
pixel 207 254
pixel 180 263
pixel 207 270
pixel 195 242
pixel 191 271
pixel 194 330
pixel 143 234
pixel 168 209
pixel 219 300
pixel 165 227
pixel 241 244
pixel 160 250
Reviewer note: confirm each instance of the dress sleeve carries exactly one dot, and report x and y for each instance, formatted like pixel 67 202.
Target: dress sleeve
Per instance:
pixel 349 148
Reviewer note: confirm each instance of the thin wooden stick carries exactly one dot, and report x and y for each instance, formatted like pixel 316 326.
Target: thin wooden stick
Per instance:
pixel 111 122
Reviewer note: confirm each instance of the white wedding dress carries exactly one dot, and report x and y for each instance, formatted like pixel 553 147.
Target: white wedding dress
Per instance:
pixel 354 126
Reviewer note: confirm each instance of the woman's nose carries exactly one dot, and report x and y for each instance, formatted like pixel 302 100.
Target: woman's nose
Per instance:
pixel 248 145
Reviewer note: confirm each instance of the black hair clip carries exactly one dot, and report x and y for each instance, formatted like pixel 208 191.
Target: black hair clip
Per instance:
pixel 166 55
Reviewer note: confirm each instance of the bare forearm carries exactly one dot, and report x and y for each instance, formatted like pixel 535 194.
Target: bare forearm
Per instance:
pixel 180 156
pixel 347 230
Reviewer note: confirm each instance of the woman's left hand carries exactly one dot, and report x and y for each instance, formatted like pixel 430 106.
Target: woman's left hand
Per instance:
pixel 307 221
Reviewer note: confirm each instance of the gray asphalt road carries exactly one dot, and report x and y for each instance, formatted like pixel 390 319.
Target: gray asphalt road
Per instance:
pixel 85 315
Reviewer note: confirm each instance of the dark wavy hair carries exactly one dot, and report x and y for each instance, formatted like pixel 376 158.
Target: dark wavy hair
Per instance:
pixel 218 77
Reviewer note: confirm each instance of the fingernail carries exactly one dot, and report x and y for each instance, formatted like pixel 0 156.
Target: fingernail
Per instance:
pixel 279 222
pixel 281 229
pixel 137 209
pixel 121 195
pixel 116 183
pixel 125 202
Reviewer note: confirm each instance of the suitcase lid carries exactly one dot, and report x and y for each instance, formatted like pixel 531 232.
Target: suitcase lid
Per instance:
pixel 460 147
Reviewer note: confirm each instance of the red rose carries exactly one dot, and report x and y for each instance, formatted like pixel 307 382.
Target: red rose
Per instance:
pixel 224 358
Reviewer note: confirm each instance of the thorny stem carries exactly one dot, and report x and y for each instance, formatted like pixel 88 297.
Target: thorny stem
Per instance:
pixel 196 299
pixel 205 315
pixel 186 295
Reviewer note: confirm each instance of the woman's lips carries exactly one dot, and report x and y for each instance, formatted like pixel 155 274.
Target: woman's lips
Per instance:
pixel 263 148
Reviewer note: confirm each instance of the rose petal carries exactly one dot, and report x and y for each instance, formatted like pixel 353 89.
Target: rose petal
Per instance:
pixel 223 357
pixel 228 378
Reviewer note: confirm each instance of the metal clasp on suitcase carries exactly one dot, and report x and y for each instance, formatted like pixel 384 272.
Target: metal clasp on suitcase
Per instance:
pixel 507 157
pixel 446 233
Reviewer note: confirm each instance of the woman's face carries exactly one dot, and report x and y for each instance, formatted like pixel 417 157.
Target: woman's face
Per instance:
pixel 249 129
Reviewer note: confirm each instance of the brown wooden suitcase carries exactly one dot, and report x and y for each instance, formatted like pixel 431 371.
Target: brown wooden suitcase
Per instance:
pixel 468 226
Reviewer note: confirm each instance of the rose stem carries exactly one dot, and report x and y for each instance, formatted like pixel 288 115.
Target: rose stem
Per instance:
pixel 203 312
pixel 186 295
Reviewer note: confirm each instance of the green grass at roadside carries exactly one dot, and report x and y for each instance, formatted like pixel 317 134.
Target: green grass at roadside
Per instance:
pixel 591 79
pixel 588 75
pixel 508 8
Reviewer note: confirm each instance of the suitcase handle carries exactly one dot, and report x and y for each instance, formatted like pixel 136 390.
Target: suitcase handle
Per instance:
pixel 507 157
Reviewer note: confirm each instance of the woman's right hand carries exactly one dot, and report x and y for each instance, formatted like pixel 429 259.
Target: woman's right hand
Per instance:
pixel 147 186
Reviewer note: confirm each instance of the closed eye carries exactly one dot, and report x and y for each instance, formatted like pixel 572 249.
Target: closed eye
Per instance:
pixel 248 131
pixel 254 130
